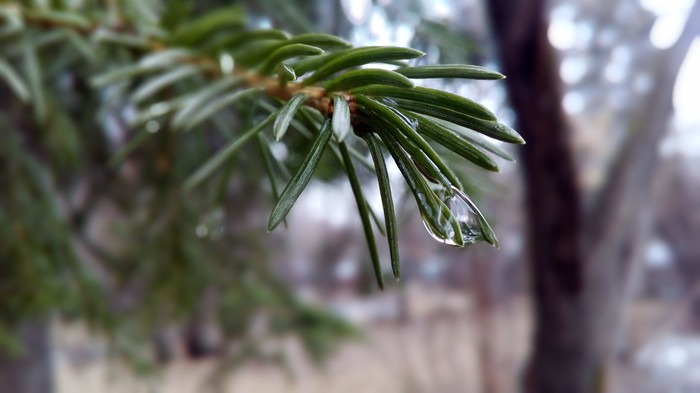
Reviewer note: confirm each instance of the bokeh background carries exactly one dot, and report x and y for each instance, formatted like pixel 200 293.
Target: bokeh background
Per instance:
pixel 599 221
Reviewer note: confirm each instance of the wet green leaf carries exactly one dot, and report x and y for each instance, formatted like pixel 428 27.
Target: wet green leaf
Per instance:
pixel 287 52
pixel 360 56
pixel 404 131
pixel 489 128
pixel 303 66
pixel 426 167
pixel 287 113
pixel 455 142
pixel 320 40
pixel 362 209
pixel 301 179
pixel 369 76
pixel 434 97
pixel 387 200
pixel 478 140
pixel 434 212
pixel 450 71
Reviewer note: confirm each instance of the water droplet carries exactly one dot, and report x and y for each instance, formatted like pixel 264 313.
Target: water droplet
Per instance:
pixel 435 234
pixel 468 222
pixel 469 226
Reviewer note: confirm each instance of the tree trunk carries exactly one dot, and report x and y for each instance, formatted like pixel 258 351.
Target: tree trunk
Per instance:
pixel 576 265
pixel 560 359
pixel 30 370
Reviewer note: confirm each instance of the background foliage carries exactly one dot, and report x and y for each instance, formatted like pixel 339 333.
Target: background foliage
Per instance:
pixel 127 126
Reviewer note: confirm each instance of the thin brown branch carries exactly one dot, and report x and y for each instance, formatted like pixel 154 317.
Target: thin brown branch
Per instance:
pixel 274 88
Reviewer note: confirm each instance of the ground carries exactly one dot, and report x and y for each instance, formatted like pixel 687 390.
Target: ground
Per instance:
pixel 435 351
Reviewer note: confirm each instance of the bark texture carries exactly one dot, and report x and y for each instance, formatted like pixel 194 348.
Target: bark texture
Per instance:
pixel 560 360
pixel 578 261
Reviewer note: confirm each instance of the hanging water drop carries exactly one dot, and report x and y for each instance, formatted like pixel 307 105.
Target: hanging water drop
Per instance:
pixel 463 214
pixel 466 217
pixel 447 231
pixel 435 234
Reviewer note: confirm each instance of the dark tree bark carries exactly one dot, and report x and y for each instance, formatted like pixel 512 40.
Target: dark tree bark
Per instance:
pixel 29 371
pixel 577 264
pixel 560 360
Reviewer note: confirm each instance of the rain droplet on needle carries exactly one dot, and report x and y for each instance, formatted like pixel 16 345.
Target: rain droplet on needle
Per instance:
pixel 456 201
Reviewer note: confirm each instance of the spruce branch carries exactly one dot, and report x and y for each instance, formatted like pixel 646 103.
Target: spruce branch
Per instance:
pixel 316 84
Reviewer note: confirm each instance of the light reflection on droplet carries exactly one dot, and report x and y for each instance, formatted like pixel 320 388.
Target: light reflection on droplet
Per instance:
pixel 463 214
pixel 468 223
pixel 434 233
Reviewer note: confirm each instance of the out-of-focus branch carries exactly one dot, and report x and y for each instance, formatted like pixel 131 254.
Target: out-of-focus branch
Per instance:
pixel 317 97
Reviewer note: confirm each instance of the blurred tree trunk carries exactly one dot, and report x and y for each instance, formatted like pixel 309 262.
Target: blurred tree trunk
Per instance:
pixel 577 264
pixel 679 223
pixel 30 370
pixel 561 360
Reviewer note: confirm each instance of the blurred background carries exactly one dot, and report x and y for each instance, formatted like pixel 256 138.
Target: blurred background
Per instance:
pixel 122 284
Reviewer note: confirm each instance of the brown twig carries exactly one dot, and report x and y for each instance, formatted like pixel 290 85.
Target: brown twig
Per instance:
pixel 318 97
